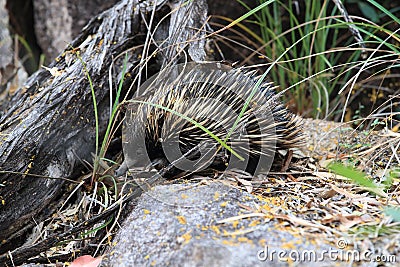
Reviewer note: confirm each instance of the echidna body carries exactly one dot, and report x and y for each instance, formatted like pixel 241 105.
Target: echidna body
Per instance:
pixel 251 121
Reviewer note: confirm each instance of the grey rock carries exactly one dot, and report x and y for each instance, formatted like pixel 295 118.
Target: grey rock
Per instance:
pixel 57 23
pixel 12 74
pixel 179 225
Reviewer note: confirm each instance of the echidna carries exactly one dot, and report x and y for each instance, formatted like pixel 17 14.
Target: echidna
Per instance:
pixel 160 125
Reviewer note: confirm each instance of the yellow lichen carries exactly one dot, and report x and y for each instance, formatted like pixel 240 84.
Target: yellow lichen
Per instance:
pixel 181 219
pixel 215 229
pixel 254 223
pixel 186 237
pixel 146 211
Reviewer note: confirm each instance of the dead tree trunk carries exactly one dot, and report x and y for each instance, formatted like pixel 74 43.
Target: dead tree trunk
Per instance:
pixel 47 127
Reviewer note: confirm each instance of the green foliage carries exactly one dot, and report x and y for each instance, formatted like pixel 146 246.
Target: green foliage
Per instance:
pixel 367 10
pixel 393 212
pixel 96 116
pixel 384 10
pixel 361 179
pixel 350 172
pixel 308 66
pixel 326 58
pixel 374 230
pixel 100 151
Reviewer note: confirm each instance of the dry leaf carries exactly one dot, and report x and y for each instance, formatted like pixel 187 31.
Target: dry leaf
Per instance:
pixel 53 71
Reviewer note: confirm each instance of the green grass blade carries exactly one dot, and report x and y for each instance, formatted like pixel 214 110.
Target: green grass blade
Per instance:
pixel 248 14
pixel 357 177
pixel 223 143
pixel 114 108
pixel 351 173
pixel 96 116
pixel 384 10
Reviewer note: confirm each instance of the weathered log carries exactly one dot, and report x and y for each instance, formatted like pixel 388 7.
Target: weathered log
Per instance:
pixel 48 126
